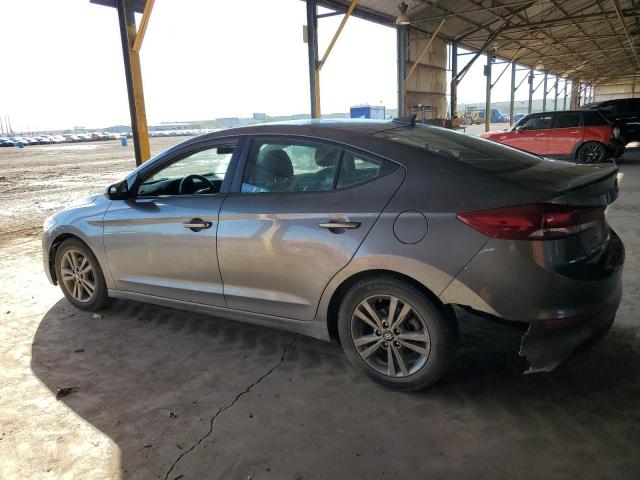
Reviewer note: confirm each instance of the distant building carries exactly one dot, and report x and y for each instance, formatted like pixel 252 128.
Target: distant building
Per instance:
pixel 260 117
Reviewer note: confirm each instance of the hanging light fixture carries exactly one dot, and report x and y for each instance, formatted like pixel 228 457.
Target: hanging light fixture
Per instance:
pixel 403 19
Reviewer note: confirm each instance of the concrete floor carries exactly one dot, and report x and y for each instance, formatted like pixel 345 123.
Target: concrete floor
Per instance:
pixel 168 394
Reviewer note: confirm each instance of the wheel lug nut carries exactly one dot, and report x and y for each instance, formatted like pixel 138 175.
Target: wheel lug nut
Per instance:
pixel 378 332
pixel 385 324
pixel 397 344
pixel 385 344
pixel 397 331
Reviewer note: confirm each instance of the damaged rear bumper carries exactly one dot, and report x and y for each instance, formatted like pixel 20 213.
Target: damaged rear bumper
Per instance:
pixel 547 344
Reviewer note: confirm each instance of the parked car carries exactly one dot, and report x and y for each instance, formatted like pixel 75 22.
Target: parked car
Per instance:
pixel 365 233
pixel 623 112
pixel 5 142
pixel 578 135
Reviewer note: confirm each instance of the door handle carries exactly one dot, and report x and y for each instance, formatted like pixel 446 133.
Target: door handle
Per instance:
pixel 197 224
pixel 339 225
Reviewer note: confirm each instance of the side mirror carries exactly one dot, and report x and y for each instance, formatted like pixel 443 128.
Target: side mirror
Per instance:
pixel 520 129
pixel 117 191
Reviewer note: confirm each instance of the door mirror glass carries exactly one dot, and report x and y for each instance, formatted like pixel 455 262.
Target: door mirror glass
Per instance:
pixel 519 129
pixel 117 191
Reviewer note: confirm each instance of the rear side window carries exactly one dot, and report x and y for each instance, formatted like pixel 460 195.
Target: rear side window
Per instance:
pixel 568 120
pixel 290 166
pixel 632 105
pixel 476 152
pixel 593 119
pixel 356 168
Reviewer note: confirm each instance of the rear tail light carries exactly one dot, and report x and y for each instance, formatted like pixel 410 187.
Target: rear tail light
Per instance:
pixel 538 221
pixel 616 132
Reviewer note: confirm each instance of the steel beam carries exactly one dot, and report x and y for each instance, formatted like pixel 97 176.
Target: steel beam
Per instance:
pixel 512 100
pixel 401 31
pixel 616 6
pixel 133 75
pixel 454 72
pixel 312 49
pixel 530 106
pixel 487 102
pixel 544 93
pixel 555 98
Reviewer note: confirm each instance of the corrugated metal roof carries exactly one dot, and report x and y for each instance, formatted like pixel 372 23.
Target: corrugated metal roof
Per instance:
pixel 582 39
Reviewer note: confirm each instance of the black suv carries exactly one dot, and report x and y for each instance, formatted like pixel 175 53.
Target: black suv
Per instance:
pixel 624 112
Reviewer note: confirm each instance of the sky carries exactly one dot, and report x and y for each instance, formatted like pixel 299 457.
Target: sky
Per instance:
pixel 201 59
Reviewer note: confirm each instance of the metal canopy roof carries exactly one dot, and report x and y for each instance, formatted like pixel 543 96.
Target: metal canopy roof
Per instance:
pixel 588 40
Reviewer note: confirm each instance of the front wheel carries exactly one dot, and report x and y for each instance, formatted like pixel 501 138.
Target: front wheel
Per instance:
pixel 395 334
pixel 591 152
pixel 80 276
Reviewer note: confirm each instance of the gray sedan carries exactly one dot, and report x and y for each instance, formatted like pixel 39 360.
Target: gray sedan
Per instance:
pixel 365 233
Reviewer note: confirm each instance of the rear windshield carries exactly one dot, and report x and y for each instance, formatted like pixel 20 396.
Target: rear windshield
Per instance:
pixel 479 153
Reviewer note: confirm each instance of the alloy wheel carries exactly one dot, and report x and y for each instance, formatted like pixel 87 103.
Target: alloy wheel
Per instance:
pixel 390 335
pixel 591 154
pixel 78 276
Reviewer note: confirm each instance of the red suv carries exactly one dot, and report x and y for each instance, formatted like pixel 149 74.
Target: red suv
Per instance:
pixel 581 135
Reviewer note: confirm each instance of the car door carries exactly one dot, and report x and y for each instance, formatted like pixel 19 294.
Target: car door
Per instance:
pixel 568 132
pixel 298 212
pixel 531 134
pixel 162 240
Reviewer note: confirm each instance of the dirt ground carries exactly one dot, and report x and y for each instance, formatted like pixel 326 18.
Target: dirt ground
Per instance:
pixel 165 394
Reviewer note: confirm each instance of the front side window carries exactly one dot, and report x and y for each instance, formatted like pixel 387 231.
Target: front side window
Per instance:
pixel 290 166
pixel 567 120
pixel 539 122
pixel 199 173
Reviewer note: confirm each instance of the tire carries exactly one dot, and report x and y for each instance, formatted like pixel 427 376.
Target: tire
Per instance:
pixel 70 256
pixel 424 339
pixel 591 152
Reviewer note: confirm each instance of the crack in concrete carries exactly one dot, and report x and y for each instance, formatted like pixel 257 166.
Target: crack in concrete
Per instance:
pixel 231 404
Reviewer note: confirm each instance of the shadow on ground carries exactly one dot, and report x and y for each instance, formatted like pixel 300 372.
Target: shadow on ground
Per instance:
pixel 189 396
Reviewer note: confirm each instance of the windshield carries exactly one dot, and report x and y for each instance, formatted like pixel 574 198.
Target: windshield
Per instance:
pixel 476 152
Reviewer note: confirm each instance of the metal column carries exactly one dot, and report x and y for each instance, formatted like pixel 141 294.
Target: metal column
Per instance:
pixel 401 31
pixel 530 92
pixel 487 103
pixel 312 46
pixel 555 98
pixel 564 96
pixel 512 101
pixel 544 93
pixel 454 73
pixel 133 75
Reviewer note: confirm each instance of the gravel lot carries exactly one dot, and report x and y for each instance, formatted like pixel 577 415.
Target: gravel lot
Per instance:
pixel 167 394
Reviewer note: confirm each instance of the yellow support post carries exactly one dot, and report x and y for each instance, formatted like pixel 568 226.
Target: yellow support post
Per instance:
pixel 133 73
pixel 316 110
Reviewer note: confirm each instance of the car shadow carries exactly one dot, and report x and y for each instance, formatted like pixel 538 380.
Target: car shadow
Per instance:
pixel 155 380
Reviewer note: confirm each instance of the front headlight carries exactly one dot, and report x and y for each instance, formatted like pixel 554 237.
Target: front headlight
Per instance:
pixel 49 223
pixel 616 132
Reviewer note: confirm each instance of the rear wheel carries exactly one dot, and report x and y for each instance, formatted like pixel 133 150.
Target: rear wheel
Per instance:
pixel 393 333
pixel 591 152
pixel 80 276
